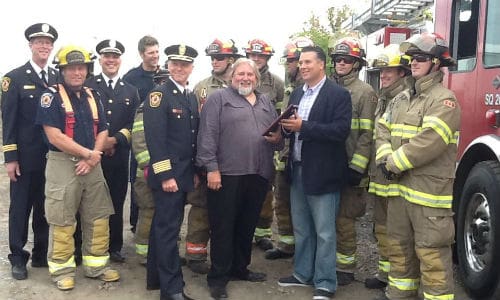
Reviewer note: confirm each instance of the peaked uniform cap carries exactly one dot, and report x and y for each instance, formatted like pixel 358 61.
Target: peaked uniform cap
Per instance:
pixel 41 30
pixel 181 52
pixel 110 46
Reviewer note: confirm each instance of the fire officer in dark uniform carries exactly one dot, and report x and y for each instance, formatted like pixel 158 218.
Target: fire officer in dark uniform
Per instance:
pixel 24 149
pixel 120 100
pixel 171 126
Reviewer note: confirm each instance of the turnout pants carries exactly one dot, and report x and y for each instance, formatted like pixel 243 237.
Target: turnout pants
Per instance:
pixel 420 240
pixel 146 205
pixel 197 225
pixel 380 221
pixel 352 206
pixel 66 195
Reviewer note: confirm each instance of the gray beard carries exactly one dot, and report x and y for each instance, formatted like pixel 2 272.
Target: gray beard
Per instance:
pixel 245 91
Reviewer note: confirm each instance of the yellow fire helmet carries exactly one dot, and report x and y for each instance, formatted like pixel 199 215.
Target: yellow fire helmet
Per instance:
pixel 391 57
pixel 72 55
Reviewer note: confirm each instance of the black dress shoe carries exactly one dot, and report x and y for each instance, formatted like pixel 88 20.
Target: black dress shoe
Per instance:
pixel 276 253
pixel 116 256
pixel 39 263
pixel 19 272
pixel 252 277
pixel 218 292
pixel 178 296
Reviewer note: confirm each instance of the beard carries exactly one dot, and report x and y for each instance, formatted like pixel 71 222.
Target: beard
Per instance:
pixel 245 90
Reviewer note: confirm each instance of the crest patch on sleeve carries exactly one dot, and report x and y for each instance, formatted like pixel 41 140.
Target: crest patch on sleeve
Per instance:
pixel 449 103
pixel 46 100
pixel 5 84
pixel 155 99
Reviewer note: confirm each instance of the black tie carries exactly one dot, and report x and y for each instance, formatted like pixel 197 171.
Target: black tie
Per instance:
pixel 44 78
pixel 110 83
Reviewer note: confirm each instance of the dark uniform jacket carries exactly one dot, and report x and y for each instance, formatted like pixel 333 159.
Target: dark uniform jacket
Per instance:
pixel 171 127
pixel 22 139
pixel 141 79
pixel 119 105
pixel 323 135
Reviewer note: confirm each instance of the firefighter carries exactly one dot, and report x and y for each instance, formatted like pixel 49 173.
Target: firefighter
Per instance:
pixel 222 54
pixel 416 148
pixel 24 149
pixel 281 189
pixel 270 84
pixel 171 121
pixel 393 67
pixel 348 58
pixel 75 125
pixel 143 196
pixel 120 101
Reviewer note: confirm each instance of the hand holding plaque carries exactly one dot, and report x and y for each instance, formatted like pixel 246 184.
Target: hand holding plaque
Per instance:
pixel 290 111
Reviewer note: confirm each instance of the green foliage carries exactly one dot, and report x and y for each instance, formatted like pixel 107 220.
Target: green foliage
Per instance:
pixel 321 34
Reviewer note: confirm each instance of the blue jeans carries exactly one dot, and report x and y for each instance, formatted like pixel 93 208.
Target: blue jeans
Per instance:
pixel 313 218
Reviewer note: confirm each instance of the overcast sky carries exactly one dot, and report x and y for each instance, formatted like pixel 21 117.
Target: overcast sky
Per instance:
pixel 195 23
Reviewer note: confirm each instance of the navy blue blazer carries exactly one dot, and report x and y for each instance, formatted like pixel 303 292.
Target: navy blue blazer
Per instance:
pixel 323 135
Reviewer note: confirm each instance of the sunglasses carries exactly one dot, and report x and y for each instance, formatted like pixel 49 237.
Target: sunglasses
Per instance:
pixel 347 59
pixel 421 57
pixel 219 57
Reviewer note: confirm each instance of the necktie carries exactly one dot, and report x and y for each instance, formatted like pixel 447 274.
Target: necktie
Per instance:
pixel 44 77
pixel 110 83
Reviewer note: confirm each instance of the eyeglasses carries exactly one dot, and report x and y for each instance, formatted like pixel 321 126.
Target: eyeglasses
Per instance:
pixel 421 57
pixel 291 60
pixel 347 59
pixel 219 57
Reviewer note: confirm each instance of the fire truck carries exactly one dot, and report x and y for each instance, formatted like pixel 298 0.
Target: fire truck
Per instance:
pixel 472 28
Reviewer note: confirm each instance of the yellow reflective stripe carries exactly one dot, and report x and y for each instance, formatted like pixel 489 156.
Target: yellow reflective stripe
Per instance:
pixel 401 160
pixel 54 267
pixel 455 138
pixel 138 126
pixel 142 157
pixel 141 249
pixel 440 127
pixel 162 166
pixel 389 190
pixel 355 124
pixel 95 261
pixel 383 121
pixel 126 133
pixel 262 232
pixel 384 266
pixel 10 147
pixel 425 199
pixel 403 284
pixel 359 160
pixel 404 131
pixel 440 297
pixel 384 150
pixel 365 124
pixel 287 239
pixel 345 259
pixel 139 173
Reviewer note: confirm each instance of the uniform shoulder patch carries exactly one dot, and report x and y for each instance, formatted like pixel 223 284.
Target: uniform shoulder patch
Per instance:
pixel 155 99
pixel 449 103
pixel 5 84
pixel 46 100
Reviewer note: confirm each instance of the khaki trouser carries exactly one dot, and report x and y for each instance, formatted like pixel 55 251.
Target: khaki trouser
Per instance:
pixel 66 194
pixel 197 226
pixel 380 220
pixel 146 205
pixel 352 206
pixel 420 240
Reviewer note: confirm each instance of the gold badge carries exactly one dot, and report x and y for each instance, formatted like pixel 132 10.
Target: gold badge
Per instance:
pixel 5 84
pixel 155 99
pixel 182 49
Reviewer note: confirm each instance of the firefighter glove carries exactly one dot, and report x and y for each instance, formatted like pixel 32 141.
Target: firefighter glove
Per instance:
pixel 387 174
pixel 354 177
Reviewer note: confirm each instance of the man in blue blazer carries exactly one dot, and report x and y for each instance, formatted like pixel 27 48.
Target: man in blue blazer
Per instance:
pixel 317 169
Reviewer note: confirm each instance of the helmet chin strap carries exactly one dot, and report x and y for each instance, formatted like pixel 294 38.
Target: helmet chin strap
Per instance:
pixel 433 63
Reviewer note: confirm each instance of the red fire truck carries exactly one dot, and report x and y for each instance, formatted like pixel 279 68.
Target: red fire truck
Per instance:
pixel 472 28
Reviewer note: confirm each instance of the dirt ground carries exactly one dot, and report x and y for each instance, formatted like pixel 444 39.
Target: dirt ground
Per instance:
pixel 132 284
